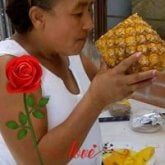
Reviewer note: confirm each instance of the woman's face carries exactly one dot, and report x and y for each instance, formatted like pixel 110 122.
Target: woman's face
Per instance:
pixel 67 26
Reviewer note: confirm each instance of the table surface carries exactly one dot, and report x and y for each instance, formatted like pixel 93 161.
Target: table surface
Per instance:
pixel 120 134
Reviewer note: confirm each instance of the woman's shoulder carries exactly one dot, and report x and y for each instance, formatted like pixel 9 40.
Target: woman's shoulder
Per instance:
pixel 4 59
pixel 4 44
pixel 10 46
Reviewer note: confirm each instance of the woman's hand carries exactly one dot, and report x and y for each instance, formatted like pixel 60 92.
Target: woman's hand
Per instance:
pixel 111 85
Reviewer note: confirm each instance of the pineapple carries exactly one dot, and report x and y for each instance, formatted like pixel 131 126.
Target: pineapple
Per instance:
pixel 130 36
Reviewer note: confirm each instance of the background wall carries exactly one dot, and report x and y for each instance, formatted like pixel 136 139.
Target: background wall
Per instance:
pixel 5 26
pixel 117 10
pixel 153 11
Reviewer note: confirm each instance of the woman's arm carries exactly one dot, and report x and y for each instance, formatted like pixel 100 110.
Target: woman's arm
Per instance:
pixel 10 107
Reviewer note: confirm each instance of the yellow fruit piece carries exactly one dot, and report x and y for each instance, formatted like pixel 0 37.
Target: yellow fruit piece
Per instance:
pixel 125 102
pixel 146 153
pixel 129 161
pixel 128 157
pixel 117 157
pixel 133 161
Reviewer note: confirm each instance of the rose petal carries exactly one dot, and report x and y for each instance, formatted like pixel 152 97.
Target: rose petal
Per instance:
pixel 24 74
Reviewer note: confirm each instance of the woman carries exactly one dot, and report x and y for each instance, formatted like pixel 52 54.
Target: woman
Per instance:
pixel 52 30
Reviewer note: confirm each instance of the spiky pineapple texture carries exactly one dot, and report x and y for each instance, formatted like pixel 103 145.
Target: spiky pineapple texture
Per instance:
pixel 130 36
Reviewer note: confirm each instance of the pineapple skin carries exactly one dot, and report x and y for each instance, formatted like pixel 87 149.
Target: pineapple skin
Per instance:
pixel 131 36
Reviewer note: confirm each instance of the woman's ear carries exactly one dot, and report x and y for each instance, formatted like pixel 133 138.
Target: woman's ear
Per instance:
pixel 37 17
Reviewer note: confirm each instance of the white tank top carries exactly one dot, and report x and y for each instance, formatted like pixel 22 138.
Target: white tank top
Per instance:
pixel 61 100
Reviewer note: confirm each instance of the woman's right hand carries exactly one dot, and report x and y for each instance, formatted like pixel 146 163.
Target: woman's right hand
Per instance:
pixel 111 85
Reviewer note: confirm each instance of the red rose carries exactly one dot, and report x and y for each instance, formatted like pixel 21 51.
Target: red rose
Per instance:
pixel 24 74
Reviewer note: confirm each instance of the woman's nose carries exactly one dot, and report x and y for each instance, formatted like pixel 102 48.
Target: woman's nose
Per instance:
pixel 88 23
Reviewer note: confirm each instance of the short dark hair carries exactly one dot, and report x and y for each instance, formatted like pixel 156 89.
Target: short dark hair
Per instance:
pixel 18 12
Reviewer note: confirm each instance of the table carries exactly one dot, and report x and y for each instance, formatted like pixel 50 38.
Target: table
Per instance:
pixel 120 134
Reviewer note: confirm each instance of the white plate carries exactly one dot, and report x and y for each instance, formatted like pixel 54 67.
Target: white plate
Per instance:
pixel 134 147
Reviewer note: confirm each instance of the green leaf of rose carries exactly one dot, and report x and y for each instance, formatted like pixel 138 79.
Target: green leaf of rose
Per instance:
pixel 21 134
pixel 12 125
pixel 30 101
pixel 43 101
pixel 38 114
pixel 23 118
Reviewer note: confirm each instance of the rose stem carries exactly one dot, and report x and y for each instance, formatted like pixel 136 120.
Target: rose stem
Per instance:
pixel 32 131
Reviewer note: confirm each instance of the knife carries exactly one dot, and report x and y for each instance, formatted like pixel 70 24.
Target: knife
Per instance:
pixel 120 118
pixel 113 119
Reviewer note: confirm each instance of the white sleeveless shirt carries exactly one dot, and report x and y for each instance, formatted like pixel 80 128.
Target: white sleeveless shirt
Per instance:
pixel 61 100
